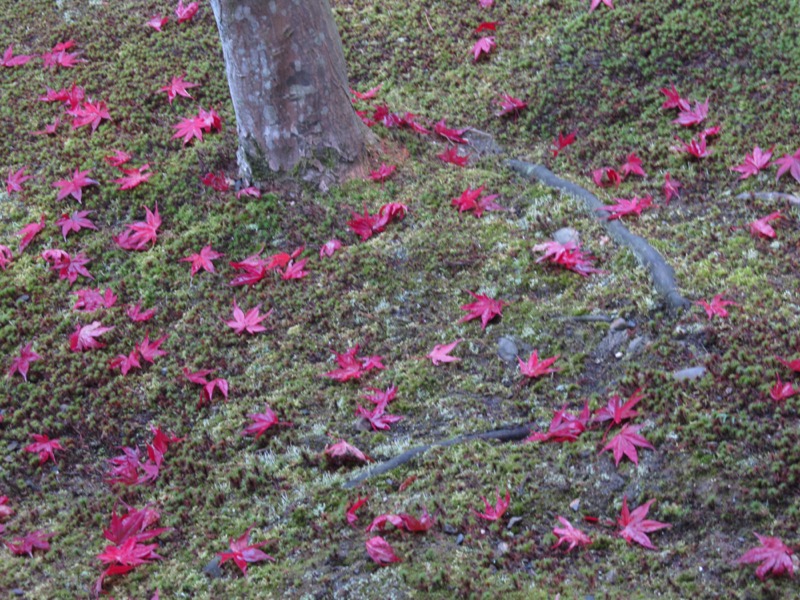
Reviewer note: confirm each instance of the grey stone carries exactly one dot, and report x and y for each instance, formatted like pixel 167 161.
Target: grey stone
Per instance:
pixel 689 373
pixel 507 349
pixel 212 568
pixel 566 235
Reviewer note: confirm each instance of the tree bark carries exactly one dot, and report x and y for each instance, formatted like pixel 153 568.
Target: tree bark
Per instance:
pixel 288 81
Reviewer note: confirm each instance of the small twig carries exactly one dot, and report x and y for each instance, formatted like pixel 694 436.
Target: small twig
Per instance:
pixel 770 197
pixel 589 318
pixel 429 23
pixel 509 434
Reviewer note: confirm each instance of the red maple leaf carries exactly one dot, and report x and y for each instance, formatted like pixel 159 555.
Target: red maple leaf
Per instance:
pixel 782 390
pixel 141 233
pixel 262 422
pixel 616 411
pixel 441 353
pixel 133 177
pixel 242 552
pixel 761 228
pixel 574 537
pixel 633 164
pixel 134 313
pixel 689 117
pixel 674 99
pixel 350 513
pixel 341 453
pixel 352 366
pixel 716 307
pixel 402 521
pixel 75 222
pixel 775 557
pixel 634 525
pixel 468 199
pixel 185 13
pixel 125 362
pixel 366 225
pixel 250 322
pixel 117 159
pixel 36 540
pixel 452 135
pixel 533 368
pixel 487 26
pixel 85 337
pixel 216 181
pixel 383 173
pixel 452 157
pixel 606 177
pixel 482 47
pixel 15 180
pixel 9 60
pixel 754 162
pixel 671 187
pixel 124 558
pixel 29 232
pixel 68 267
pixel 368 95
pixel 493 513
pixel 484 308
pixel 202 260
pixel 569 255
pixel 561 142
pixel 150 350
pixel 92 113
pixel 177 87
pixel 793 365
pixel 510 106
pixel 59 57
pixel 5 510
pixel 157 22
pixel 20 364
pixel 695 147
pixel 380 551
pixel 295 270
pixel 790 163
pixel 89 300
pixel 564 427
pixel 43 446
pixel 73 187
pixel 378 417
pixel 626 442
pixel 49 128
pixel 625 207
pixel 210 386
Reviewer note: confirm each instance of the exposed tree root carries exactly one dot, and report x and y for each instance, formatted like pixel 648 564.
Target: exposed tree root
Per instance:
pixel 770 197
pixel 510 434
pixel 661 273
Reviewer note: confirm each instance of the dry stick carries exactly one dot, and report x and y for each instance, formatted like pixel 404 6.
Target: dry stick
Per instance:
pixel 770 197
pixel 662 274
pixel 510 434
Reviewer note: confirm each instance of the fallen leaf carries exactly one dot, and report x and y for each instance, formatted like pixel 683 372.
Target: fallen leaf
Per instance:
pixel 484 308
pixel 242 552
pixel 441 353
pixel 775 557
pixel 634 525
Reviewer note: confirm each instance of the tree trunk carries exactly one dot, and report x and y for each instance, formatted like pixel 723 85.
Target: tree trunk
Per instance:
pixel 288 82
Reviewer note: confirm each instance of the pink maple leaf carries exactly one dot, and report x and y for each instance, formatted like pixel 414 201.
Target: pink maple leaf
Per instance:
pixel 596 3
pixel 9 60
pixel 634 525
pixel 378 418
pixel 368 95
pixel 789 163
pixel 482 47
pixel 606 177
pixel 157 22
pixel 616 411
pixel 781 390
pixel 49 128
pixel 133 177
pixel 125 362
pixel 150 350
pixel 574 537
pixel 141 233
pixel 85 337
pixel 250 322
pixel 92 113
pixel 177 87
pixel 329 247
pixel 761 228
pixel 68 267
pixel 793 365
pixel 117 159
pixel 136 315
pixel 262 422
pixel 493 513
pixel 216 181
pixel 15 180
pixel 341 452
pixel 441 353
pixel 695 147
pixel 716 307
pixel 89 300
pixel 20 364
pixel 561 142
pixel 30 231
pixel 218 383
pixel 73 187
pixel 451 135
pixel 242 552
pixel 383 173
pixel 484 308
pixel 510 106
pixel 632 165
pixel 564 427
pixel 5 256
pixel 688 117
pixel 185 13
pixel 624 207
pixel 671 187
pixel 36 540
pixel 350 513
pixel 533 367
pixel 380 551
pixel 753 163
pixel 674 99
pixel 44 447
pixel 202 260
pixel 75 222
pixel 249 191
pixel 189 128
pixel 775 557
pixel 352 366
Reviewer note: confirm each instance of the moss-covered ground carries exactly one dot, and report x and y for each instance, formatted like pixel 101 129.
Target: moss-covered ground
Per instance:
pixel 726 460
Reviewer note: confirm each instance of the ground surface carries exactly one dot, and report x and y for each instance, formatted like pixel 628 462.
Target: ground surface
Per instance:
pixel 726 460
